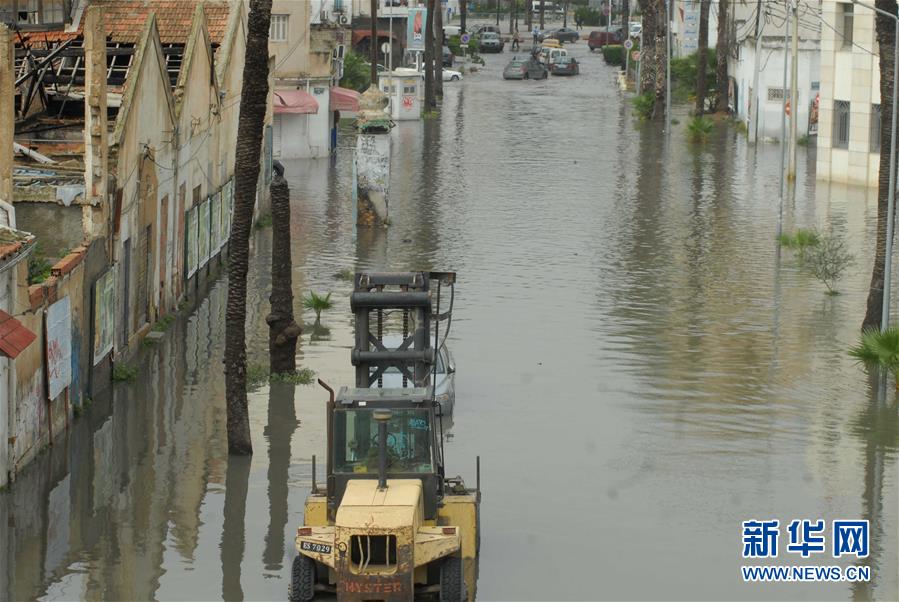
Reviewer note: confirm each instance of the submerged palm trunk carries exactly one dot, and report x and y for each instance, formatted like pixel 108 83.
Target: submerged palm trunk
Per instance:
pixel 438 45
pixel 253 103
pixel 283 330
pixel 885 29
pixel 702 56
pixel 722 48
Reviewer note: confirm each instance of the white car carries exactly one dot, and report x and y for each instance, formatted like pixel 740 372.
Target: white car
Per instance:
pixel 449 75
pixel 445 390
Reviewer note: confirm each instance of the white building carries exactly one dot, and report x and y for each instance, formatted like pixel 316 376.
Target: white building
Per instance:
pixel 849 132
pixel 685 27
pixel 770 93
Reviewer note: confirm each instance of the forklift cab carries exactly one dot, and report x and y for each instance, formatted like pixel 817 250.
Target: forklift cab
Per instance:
pixel 413 441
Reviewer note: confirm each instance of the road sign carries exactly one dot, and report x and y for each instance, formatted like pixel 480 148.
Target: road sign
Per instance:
pixel 385 48
pixel 635 55
pixel 605 10
pixel 465 38
pixel 628 43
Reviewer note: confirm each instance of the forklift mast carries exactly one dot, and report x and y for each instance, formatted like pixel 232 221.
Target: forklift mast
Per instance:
pixel 382 293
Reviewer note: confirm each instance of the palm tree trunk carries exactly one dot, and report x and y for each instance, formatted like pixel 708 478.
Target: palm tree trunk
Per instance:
pixel 722 49
pixel 625 18
pixel 438 46
pixel 464 14
pixel 885 29
pixel 251 122
pixel 702 56
pixel 542 9
pixel 430 100
pixel 647 51
pixel 283 330
pixel 660 56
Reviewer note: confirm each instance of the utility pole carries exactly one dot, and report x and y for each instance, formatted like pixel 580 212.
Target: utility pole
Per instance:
pixel 783 129
pixel 373 43
pixel 667 66
pixel 755 96
pixel 609 21
pixel 794 93
pixel 497 13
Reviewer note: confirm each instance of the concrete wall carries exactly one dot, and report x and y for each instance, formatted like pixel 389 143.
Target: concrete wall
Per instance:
pixel 849 74
pixel 56 227
pixel 292 56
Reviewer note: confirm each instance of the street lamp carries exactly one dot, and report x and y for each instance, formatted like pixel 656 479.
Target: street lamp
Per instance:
pixel 891 202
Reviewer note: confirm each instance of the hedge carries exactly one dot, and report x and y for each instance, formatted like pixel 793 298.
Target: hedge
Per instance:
pixel 613 55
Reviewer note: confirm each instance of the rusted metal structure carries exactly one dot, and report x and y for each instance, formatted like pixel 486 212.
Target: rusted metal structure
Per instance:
pixel 389 525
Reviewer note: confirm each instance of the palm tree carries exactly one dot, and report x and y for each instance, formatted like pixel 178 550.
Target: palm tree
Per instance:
pixel 373 43
pixel 438 45
pixel 251 122
pixel 283 330
pixel 722 48
pixel 430 100
pixel 884 27
pixel 702 56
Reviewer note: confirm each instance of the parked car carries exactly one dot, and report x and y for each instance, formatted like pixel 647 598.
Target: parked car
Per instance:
pixel 488 28
pixel 598 39
pixel 563 34
pixel 448 57
pixel 525 68
pixel 490 41
pixel 445 388
pixel 449 75
pixel 451 30
pixel 565 65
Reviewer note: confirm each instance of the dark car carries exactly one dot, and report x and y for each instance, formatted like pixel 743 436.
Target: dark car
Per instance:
pixel 598 39
pixel 490 41
pixel 565 65
pixel 448 57
pixel 563 34
pixel 525 68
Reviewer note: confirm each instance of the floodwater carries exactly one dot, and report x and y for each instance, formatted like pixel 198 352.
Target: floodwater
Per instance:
pixel 637 369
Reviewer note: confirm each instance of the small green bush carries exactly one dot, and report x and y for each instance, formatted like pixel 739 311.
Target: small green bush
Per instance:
pixel 613 54
pixel 317 303
pixel 643 104
pixel 38 266
pixel 264 221
pixel 828 260
pixel 800 240
pixel 356 72
pixel 699 129
pixel 303 376
pixel 124 373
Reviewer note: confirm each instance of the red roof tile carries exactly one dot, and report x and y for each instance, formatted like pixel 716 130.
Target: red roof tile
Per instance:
pixel 125 20
pixel 14 337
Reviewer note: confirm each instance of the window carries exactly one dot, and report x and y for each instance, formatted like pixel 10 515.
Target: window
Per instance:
pixel 844 24
pixel 840 124
pixel 408 442
pixel 874 133
pixel 278 31
pixel 408 89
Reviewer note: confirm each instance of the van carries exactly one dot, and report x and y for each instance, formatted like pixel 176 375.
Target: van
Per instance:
pixel 451 30
pixel 548 54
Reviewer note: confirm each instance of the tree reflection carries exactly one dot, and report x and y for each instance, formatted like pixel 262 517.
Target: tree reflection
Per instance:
pixel 282 422
pixel 233 539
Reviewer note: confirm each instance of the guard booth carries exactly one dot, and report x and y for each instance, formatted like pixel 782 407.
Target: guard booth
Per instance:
pixel 404 88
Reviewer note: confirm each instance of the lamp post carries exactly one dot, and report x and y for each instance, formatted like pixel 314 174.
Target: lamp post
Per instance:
pixel 891 197
pixel 668 68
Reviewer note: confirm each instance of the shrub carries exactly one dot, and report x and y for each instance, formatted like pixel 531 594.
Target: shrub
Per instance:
pixel 644 104
pixel 801 240
pixel 613 54
pixel 699 129
pixel 317 303
pixel 828 260
pixel 38 266
pixel 685 69
pixel 880 349
pixel 124 373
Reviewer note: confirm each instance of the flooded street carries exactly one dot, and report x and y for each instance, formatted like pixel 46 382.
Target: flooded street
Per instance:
pixel 636 367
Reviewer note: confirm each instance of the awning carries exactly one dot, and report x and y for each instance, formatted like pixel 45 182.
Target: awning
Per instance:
pixel 344 99
pixel 297 102
pixel 14 337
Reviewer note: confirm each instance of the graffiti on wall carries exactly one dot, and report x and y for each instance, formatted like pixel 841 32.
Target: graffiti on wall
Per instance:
pixel 31 412
pixel 59 346
pixel 104 314
pixel 204 232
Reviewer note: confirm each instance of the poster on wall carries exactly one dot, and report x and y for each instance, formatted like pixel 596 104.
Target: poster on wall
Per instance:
pixel 415 29
pixel 227 208
pixel 104 314
pixel 59 346
pixel 215 227
pixel 193 255
pixel 204 232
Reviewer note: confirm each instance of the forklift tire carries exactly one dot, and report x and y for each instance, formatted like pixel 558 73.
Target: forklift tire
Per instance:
pixel 302 579
pixel 452 581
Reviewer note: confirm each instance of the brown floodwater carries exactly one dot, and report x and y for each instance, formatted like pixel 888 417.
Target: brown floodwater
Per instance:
pixel 637 368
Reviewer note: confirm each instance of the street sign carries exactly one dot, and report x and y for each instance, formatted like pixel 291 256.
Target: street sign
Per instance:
pixel 605 10
pixel 385 48
pixel 465 38
pixel 635 55
pixel 628 43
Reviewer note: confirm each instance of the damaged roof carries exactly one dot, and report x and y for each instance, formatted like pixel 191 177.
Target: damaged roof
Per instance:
pixel 13 242
pixel 124 21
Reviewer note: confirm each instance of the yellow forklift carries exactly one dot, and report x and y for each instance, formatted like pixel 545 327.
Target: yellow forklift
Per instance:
pixel 389 524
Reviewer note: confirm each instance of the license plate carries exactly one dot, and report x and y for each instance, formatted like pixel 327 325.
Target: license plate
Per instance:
pixel 318 548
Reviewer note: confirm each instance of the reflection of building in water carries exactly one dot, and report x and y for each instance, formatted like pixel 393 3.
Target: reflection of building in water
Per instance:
pixel 131 484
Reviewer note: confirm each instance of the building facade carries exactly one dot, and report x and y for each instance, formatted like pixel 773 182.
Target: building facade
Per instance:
pixel 849 130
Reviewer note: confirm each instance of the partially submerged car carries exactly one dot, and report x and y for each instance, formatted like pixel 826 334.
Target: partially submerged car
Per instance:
pixel 525 68
pixel 445 385
pixel 490 41
pixel 565 65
